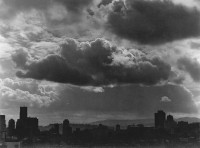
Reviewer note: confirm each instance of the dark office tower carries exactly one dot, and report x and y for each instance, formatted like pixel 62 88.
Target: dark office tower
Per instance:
pixel 160 119
pixel 26 126
pixel 23 113
pixel 32 127
pixel 55 129
pixel 67 130
pixel 2 123
pixel 170 118
pixel 11 127
pixel 2 127
pixel 117 127
pixel 170 124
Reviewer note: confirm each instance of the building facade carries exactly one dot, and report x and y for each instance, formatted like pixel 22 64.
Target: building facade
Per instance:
pixel 160 118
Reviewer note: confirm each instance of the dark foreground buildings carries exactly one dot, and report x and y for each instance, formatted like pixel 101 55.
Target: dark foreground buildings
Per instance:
pixel 67 130
pixel 2 126
pixel 26 126
pixel 160 119
pixel 165 131
pixel 11 128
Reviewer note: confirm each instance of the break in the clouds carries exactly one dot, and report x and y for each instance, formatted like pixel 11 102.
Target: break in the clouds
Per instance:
pixel 96 62
pixel 191 66
pixel 153 22
pixel 142 101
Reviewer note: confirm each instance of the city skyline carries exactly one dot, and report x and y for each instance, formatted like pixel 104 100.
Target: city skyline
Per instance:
pixel 159 120
pixel 159 114
pixel 91 60
pixel 26 132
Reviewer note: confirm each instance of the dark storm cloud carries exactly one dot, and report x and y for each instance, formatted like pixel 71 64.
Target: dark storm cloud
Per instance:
pixel 16 6
pixel 153 22
pixel 74 5
pixel 54 68
pixel 20 58
pixel 90 12
pixel 96 62
pixel 191 66
pixel 176 78
pixel 140 100
pixel 109 64
pixel 104 3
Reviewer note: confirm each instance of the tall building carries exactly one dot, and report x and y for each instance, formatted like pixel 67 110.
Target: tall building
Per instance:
pixel 67 129
pixel 2 123
pixel 55 129
pixel 23 112
pixel 117 128
pixel 170 124
pixel 11 127
pixel 26 126
pixel 170 118
pixel 2 127
pixel 160 118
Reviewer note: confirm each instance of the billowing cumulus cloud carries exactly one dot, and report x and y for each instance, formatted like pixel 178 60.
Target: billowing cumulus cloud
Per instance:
pixel 96 62
pixel 194 45
pixel 153 22
pixel 20 58
pixel 191 66
pixel 14 93
pixel 165 99
pixel 105 77
pixel 60 14
pixel 93 89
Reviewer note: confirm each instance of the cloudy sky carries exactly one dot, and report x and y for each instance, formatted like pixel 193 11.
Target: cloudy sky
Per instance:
pixel 89 60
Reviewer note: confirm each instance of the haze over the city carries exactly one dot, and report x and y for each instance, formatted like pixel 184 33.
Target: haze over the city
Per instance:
pixel 90 60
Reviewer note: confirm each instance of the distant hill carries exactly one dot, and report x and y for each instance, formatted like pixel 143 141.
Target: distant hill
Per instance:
pixel 189 119
pixel 74 126
pixel 145 122
pixel 113 123
pixel 125 123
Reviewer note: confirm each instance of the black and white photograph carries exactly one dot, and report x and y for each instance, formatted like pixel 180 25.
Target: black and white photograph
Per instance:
pixel 99 73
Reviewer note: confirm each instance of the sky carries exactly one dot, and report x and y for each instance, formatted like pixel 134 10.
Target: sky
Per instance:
pixel 90 60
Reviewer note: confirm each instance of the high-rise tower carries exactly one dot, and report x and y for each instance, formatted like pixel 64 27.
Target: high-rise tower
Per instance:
pixel 23 113
pixel 160 118
pixel 67 129
pixel 11 127
pixel 2 123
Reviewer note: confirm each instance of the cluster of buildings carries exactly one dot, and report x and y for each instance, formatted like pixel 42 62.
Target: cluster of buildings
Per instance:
pixel 163 122
pixel 166 129
pixel 24 127
pixel 168 124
